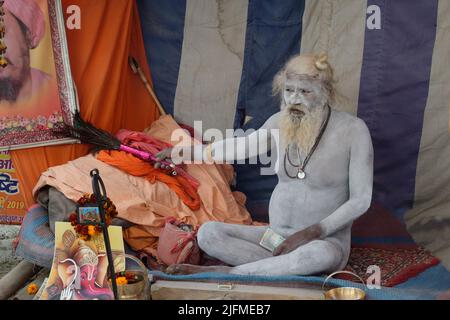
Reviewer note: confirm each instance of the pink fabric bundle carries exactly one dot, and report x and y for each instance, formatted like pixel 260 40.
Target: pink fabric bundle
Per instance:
pixel 141 141
pixel 147 143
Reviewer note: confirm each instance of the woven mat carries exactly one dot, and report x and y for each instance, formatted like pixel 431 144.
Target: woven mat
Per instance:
pixel 396 266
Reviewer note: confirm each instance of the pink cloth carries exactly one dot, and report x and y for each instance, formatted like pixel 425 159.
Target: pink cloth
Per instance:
pixel 141 141
pixel 31 15
pixel 145 142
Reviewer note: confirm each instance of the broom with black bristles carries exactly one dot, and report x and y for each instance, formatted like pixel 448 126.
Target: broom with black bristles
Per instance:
pixel 103 140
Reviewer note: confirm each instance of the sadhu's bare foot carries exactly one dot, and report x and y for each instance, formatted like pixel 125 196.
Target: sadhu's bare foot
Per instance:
pixel 190 269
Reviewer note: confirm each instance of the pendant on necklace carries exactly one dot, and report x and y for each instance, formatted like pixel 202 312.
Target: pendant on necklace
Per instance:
pixel 301 174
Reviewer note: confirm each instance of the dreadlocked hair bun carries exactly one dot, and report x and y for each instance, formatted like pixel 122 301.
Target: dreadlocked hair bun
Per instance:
pixel 321 62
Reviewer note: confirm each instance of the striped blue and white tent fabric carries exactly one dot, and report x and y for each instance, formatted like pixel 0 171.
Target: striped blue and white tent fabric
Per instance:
pixel 215 60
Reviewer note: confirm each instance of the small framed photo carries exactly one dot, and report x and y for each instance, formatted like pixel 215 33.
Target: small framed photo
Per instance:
pixel 89 215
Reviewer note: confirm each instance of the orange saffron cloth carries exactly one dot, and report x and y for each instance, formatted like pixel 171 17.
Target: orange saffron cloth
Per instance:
pixel 139 168
pixel 111 95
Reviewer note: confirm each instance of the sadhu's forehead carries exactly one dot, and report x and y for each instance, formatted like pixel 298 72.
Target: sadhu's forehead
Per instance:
pixel 301 80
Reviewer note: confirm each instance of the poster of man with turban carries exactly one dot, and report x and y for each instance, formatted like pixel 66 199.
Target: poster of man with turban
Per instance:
pixel 36 91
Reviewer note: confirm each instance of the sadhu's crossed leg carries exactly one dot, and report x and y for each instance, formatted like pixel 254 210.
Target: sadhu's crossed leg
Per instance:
pixel 238 246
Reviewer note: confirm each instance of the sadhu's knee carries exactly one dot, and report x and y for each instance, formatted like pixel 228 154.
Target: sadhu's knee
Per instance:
pixel 208 234
pixel 320 255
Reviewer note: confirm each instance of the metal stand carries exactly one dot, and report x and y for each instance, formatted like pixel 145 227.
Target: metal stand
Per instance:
pixel 99 191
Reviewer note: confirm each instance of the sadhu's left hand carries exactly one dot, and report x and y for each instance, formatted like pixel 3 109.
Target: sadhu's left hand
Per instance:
pixel 298 239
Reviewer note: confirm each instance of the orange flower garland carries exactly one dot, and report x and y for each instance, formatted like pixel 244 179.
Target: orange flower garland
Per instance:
pixel 121 281
pixel 32 289
pixel 86 231
pixel 3 47
pixel 124 277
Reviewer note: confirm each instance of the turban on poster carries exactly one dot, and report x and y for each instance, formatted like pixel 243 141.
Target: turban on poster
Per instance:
pixel 31 15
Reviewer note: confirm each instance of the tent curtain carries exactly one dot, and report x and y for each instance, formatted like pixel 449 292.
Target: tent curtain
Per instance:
pixel 110 95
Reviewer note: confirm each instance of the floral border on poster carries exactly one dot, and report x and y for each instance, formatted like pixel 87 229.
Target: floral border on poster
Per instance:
pixel 20 132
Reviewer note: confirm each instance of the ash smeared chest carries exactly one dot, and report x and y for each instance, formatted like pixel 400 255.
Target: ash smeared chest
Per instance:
pixel 328 165
pixel 297 203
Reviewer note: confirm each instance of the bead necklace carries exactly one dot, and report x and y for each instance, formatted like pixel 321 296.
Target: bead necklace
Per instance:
pixel 302 164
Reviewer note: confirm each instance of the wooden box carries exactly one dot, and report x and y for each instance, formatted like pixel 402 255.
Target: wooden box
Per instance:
pixel 189 290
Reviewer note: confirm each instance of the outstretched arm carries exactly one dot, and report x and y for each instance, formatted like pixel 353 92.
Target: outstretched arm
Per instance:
pixel 360 194
pixel 240 148
pixel 231 149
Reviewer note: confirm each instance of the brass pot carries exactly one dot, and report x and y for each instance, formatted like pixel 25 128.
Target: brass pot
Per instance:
pixel 344 293
pixel 139 289
pixel 133 291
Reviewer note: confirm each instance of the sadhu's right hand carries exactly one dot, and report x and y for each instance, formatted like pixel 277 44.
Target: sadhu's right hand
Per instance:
pixel 180 154
pixel 161 156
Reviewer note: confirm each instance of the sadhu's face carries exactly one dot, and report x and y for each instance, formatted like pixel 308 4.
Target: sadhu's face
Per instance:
pixel 302 94
pixel 17 53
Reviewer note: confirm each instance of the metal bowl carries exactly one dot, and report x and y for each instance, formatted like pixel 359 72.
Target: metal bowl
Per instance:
pixel 136 290
pixel 344 293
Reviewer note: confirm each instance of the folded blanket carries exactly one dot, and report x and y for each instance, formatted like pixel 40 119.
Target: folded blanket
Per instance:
pixel 36 241
pixel 139 168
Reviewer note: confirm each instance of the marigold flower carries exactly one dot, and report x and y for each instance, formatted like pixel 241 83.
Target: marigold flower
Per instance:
pixel 32 289
pixel 91 230
pixel 121 281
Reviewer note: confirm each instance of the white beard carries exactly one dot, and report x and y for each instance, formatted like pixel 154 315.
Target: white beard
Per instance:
pixel 301 132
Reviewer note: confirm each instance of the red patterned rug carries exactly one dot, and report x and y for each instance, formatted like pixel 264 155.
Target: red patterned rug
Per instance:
pixel 397 265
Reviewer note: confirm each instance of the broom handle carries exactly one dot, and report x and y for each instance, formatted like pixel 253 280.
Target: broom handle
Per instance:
pixel 140 154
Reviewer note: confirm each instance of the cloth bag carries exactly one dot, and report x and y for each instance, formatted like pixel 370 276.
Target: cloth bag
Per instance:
pixel 177 245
